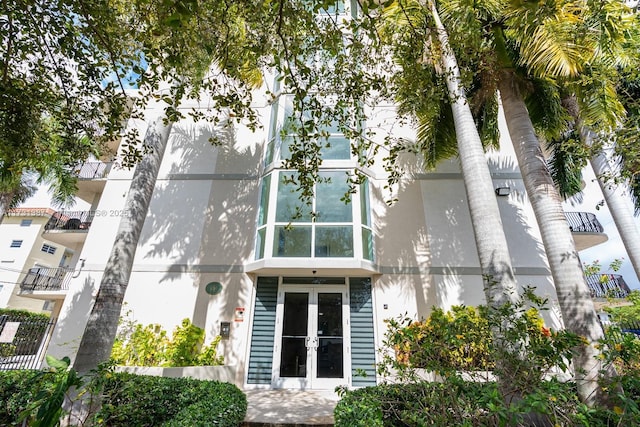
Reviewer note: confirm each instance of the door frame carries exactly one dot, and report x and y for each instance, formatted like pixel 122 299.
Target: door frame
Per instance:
pixel 311 381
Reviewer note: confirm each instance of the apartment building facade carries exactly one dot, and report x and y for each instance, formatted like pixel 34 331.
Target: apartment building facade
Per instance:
pixel 300 293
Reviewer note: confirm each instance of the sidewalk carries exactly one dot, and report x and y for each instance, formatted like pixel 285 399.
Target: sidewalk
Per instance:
pixel 275 408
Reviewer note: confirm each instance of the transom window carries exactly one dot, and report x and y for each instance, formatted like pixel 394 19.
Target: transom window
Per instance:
pixel 285 130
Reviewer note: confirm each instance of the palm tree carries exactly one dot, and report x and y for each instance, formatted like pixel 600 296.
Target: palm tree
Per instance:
pixel 97 339
pixel 620 212
pixel 574 297
pixel 535 40
pixel 491 242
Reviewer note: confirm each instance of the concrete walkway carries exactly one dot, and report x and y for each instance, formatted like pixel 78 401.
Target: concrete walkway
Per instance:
pixel 275 408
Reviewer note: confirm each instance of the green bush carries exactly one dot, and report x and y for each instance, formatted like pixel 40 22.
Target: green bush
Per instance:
pixel 138 345
pixel 133 400
pixel 17 390
pixel 459 403
pixel 223 411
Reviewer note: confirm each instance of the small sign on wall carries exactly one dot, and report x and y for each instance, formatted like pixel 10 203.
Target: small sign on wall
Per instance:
pixel 239 314
pixel 9 331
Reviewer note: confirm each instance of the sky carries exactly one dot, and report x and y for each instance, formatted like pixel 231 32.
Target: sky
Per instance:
pixel 605 252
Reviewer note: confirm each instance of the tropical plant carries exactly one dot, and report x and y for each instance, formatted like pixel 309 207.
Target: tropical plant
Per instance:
pixel 423 49
pixel 537 41
pixel 150 345
pixel 46 408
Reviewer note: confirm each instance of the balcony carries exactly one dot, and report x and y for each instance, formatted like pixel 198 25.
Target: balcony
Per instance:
pixel 608 286
pixel 68 227
pixel 586 229
pixel 91 179
pixel 46 283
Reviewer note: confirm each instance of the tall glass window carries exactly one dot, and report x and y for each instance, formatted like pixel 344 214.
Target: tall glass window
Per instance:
pixel 334 145
pixel 327 233
pixel 328 228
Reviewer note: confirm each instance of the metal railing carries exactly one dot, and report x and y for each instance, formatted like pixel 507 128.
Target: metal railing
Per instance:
pixel 70 220
pixel 46 279
pixel 24 341
pixel 93 170
pixel 585 222
pixel 607 286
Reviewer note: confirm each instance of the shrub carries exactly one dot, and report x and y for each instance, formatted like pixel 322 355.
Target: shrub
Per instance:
pixel 138 345
pixel 133 400
pixel 225 410
pixel 17 390
pixel 460 403
pixel 447 343
pixel 460 340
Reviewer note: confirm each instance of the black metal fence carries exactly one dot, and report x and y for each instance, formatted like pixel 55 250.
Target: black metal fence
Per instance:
pixel 23 341
pixel 607 286
pixel 70 220
pixel 584 222
pixel 46 279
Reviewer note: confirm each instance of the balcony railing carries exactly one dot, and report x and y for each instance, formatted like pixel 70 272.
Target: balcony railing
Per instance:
pixel 584 222
pixel 46 279
pixel 608 286
pixel 93 170
pixel 70 220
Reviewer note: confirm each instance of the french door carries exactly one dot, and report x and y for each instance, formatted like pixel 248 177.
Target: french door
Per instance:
pixel 311 342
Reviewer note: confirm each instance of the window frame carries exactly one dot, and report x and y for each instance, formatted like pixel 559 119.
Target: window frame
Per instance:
pixel 268 226
pixel 47 248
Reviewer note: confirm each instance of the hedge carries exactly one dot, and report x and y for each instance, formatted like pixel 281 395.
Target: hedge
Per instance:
pixel 136 400
pixel 17 389
pixel 461 403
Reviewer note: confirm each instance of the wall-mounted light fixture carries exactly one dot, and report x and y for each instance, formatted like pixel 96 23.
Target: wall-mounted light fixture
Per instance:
pixel 503 191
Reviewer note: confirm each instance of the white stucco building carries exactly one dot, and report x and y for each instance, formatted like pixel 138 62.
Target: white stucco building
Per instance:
pixel 305 298
pixel 30 251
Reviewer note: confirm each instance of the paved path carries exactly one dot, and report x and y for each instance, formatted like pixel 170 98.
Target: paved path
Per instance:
pixel 290 408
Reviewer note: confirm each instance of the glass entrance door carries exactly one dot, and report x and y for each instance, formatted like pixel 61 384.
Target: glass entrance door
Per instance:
pixel 310 349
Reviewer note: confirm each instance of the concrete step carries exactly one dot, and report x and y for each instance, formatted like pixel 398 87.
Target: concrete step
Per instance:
pixel 290 408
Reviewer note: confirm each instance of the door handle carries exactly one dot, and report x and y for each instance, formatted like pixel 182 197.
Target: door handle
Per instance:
pixel 311 342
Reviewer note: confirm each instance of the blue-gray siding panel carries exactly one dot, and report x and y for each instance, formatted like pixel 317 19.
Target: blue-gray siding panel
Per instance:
pixel 264 328
pixel 363 357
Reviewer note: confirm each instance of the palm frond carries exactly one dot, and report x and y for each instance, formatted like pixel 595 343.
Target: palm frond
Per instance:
pixel 568 158
pixel 544 33
pixel 544 103
pixel 436 134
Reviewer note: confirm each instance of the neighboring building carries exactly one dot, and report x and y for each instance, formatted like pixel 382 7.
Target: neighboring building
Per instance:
pixel 27 251
pixel 305 299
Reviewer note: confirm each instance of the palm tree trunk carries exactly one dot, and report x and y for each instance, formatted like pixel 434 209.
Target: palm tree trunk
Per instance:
pixel 619 210
pixel 5 202
pixel 573 293
pixel 491 242
pixel 101 328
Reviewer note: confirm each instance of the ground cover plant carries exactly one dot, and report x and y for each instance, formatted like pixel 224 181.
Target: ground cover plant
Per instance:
pixel 529 390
